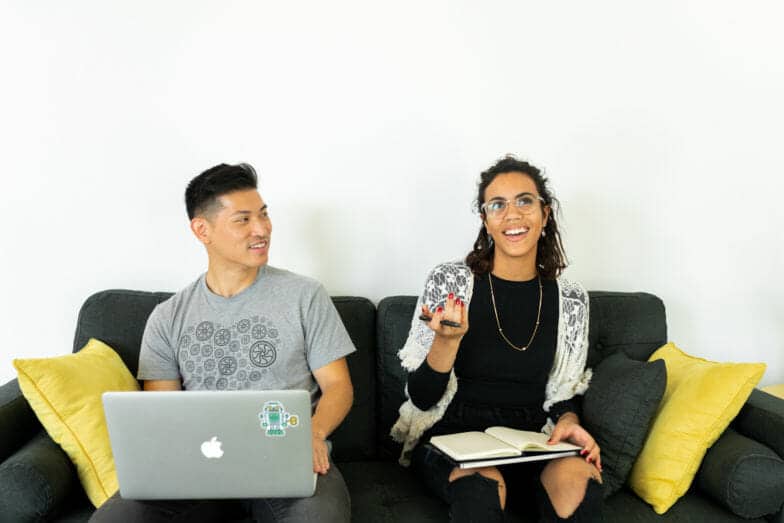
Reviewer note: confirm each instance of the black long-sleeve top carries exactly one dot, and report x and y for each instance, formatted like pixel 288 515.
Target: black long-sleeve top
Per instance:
pixel 489 371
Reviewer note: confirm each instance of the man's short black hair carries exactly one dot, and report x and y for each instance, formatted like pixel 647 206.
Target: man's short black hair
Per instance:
pixel 202 192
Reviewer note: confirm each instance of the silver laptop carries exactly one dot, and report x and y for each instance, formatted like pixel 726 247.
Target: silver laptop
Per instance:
pixel 210 445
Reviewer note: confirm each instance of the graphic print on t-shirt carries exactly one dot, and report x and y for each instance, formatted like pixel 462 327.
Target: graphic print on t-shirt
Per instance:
pixel 220 357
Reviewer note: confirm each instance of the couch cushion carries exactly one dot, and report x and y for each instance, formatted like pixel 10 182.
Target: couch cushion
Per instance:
pixel 762 418
pixel 386 492
pixel 355 439
pixel 393 323
pixel 117 318
pixel 632 321
pixel 625 507
pixel 17 420
pixel 619 405
pixel 36 481
pixel 701 398
pixel 743 475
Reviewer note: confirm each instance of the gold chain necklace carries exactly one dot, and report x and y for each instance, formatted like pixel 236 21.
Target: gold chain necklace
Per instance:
pixel 498 321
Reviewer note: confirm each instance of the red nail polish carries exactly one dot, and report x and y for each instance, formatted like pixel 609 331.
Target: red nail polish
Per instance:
pixel 458 302
pixel 440 309
pixel 451 295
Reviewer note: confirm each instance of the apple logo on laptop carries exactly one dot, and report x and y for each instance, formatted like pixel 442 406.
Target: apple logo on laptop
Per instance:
pixel 212 448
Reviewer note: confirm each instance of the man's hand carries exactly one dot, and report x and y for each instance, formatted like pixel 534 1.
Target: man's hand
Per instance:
pixel 320 455
pixel 569 429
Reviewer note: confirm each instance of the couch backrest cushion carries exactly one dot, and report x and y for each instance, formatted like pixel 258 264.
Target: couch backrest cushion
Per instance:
pixel 355 438
pixel 118 317
pixel 393 320
pixel 632 322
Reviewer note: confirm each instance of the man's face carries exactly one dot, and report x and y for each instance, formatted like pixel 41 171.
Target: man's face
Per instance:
pixel 238 232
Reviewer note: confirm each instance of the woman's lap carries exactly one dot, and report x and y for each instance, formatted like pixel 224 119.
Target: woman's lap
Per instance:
pixel 522 479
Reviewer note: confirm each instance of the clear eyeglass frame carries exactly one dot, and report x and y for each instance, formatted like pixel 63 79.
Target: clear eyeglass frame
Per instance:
pixel 497 207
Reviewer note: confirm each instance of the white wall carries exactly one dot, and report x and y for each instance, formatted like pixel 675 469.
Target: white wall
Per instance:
pixel 660 126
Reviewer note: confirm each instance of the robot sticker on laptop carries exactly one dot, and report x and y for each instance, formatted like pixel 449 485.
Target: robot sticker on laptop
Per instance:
pixel 276 420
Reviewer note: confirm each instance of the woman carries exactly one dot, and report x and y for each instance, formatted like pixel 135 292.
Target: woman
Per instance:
pixel 519 364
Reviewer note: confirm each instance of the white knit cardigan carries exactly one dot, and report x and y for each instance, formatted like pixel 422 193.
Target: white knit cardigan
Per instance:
pixel 568 376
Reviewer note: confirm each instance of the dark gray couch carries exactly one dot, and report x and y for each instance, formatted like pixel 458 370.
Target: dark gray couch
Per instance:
pixel 38 482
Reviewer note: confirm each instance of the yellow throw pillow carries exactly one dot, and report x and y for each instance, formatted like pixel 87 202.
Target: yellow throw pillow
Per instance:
pixel 65 394
pixel 701 399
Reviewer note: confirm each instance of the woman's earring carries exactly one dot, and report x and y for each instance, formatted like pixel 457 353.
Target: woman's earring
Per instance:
pixel 543 233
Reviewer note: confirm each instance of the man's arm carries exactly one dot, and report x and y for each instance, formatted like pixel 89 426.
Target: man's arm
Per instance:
pixel 162 385
pixel 337 395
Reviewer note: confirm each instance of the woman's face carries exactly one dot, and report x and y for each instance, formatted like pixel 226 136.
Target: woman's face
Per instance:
pixel 515 230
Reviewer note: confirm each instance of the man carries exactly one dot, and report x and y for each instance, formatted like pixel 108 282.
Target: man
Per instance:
pixel 206 337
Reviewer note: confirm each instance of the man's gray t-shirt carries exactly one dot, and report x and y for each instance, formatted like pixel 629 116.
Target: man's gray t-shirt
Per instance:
pixel 270 336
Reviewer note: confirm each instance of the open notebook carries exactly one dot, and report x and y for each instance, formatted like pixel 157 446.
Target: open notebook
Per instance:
pixel 500 445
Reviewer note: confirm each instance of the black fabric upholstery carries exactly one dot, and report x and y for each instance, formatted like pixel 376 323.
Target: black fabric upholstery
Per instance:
pixel 626 507
pixel 117 318
pixel 762 419
pixel 380 489
pixel 17 420
pixel 78 509
pixel 743 475
pixel 355 439
pixel 634 322
pixel 385 491
pixel 393 324
pixel 36 481
pixel 618 409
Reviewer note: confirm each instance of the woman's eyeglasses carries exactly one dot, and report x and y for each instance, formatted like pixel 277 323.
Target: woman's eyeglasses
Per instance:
pixel 525 203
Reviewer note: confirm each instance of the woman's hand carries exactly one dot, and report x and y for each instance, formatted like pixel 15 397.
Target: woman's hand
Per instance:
pixel 450 321
pixel 569 429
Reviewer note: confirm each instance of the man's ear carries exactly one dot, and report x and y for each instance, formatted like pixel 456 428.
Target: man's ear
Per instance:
pixel 201 229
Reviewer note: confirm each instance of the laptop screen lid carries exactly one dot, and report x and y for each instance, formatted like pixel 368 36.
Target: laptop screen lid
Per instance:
pixel 211 444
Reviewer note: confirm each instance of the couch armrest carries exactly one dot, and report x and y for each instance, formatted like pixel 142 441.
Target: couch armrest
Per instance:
pixel 18 423
pixel 744 475
pixel 762 419
pixel 35 481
